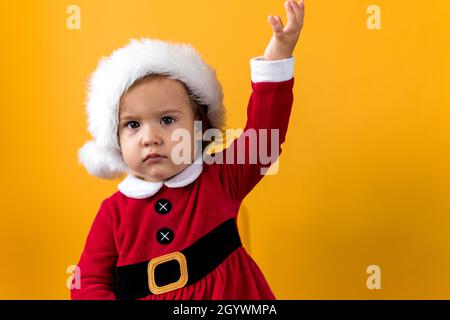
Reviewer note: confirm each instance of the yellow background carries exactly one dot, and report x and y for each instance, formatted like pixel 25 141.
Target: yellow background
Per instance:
pixel 364 177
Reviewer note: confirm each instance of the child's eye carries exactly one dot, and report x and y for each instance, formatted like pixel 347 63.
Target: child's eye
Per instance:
pixel 132 124
pixel 167 120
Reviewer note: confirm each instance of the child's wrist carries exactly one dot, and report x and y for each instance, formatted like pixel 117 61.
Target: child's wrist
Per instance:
pixel 277 55
pixel 278 51
pixel 272 57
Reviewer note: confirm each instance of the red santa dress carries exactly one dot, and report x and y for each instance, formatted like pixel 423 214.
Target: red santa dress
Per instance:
pixel 146 220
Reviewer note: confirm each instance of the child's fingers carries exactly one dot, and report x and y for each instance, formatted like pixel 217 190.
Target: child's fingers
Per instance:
pixel 299 8
pixel 291 15
pixel 276 24
pixel 279 21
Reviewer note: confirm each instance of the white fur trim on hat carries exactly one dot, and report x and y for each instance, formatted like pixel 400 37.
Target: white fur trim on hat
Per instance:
pixel 116 73
pixel 104 162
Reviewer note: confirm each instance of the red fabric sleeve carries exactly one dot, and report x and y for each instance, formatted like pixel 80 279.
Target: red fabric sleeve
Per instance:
pixel 98 260
pixel 269 108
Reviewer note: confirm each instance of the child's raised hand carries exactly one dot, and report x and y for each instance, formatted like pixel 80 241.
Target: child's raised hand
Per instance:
pixel 284 39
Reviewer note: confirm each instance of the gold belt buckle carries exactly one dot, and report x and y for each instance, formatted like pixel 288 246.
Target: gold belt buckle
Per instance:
pixel 152 264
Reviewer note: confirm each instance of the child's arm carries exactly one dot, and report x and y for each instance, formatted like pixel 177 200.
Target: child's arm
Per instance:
pixel 268 110
pixel 98 260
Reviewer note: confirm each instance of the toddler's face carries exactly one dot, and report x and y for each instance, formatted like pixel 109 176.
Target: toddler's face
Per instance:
pixel 149 112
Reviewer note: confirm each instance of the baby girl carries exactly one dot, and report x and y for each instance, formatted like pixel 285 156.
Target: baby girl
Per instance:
pixel 170 230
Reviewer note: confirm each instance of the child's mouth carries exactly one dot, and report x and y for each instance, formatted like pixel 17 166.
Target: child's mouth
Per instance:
pixel 154 158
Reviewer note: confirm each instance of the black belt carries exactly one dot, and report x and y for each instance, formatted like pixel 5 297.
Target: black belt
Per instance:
pixel 178 269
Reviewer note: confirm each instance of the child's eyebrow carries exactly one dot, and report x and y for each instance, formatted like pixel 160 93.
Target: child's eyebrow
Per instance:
pixel 126 117
pixel 169 111
pixel 131 116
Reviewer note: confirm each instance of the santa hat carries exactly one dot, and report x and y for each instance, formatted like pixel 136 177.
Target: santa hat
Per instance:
pixel 115 74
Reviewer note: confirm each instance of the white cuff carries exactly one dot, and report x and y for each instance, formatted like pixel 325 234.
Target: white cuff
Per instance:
pixel 272 70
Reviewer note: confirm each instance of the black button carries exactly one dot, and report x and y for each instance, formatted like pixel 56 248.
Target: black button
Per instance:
pixel 163 206
pixel 165 236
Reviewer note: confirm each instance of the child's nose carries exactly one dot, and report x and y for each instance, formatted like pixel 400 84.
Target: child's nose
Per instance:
pixel 151 136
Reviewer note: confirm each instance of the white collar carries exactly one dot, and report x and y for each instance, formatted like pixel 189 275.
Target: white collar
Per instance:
pixel 136 188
